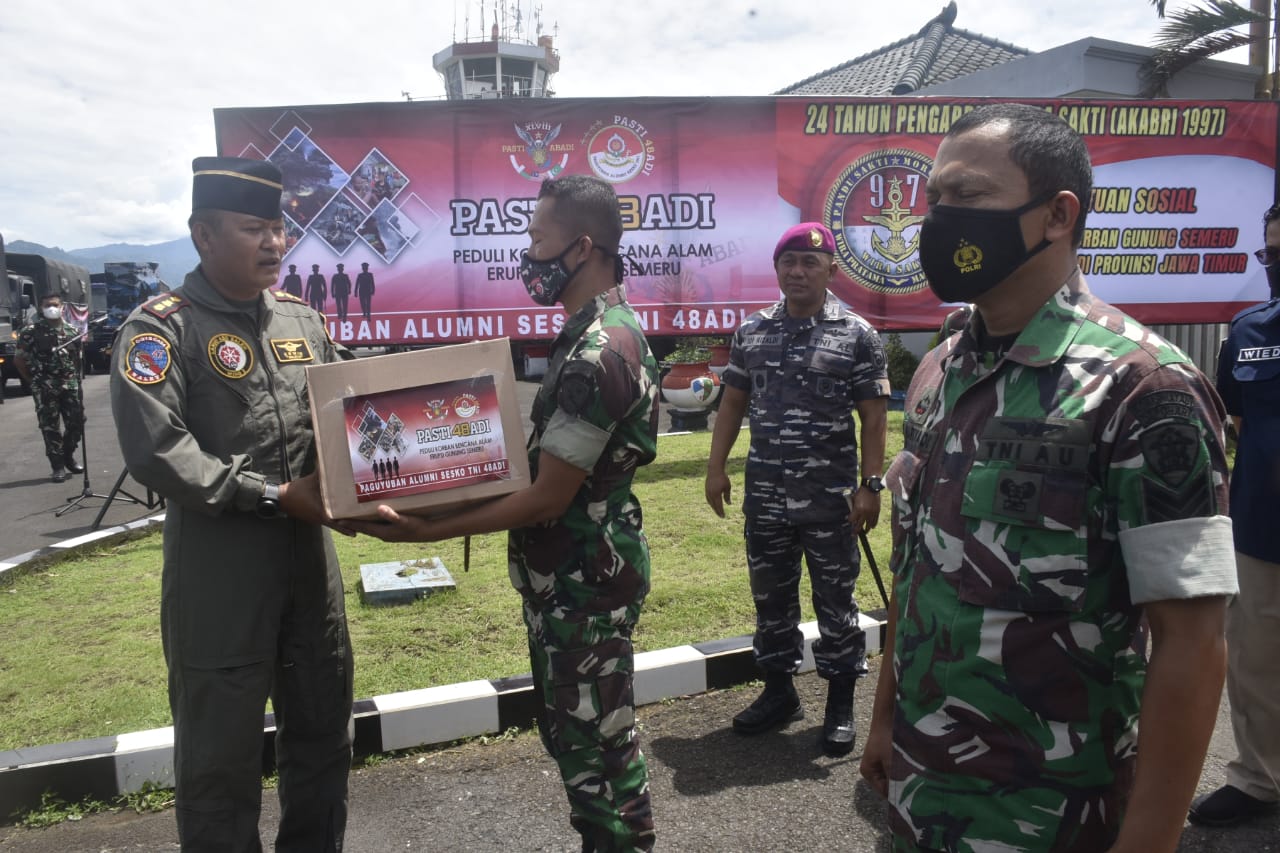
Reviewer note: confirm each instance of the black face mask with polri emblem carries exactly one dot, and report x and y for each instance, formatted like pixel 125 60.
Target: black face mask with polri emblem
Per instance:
pixel 966 251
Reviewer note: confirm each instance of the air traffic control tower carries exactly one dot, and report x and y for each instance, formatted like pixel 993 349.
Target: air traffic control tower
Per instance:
pixel 502 66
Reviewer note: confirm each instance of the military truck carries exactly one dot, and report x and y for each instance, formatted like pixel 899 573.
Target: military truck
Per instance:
pixel 28 279
pixel 121 287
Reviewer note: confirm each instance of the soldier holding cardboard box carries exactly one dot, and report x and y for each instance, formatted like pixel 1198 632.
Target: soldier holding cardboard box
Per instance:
pixel 577 551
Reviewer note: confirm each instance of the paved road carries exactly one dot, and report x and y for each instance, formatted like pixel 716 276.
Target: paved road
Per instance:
pixel 28 499
pixel 713 791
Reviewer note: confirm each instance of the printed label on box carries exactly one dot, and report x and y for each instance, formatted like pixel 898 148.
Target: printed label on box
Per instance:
pixel 425 439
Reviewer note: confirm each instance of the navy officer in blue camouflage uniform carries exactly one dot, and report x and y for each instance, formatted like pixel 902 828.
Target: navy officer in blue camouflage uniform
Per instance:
pixel 801 367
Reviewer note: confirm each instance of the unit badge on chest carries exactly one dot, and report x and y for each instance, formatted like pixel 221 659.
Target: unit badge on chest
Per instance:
pixel 292 350
pixel 230 355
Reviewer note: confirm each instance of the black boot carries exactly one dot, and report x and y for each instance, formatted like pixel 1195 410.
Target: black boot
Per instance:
pixel 839 731
pixel 775 706
pixel 71 464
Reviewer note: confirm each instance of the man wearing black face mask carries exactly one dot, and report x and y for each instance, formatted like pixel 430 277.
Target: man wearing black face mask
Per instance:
pixel 1249 381
pixel 1062 485
pixel 577 551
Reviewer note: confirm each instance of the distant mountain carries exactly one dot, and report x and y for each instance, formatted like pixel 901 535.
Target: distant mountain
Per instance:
pixel 176 257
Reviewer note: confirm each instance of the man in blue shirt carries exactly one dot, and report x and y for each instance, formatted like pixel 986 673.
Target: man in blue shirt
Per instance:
pixel 1249 382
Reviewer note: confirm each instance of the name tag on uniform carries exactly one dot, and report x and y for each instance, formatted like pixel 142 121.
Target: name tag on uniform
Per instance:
pixel 292 350
pixel 1259 354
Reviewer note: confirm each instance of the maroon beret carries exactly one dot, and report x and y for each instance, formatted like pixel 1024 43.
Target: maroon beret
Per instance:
pixel 806 237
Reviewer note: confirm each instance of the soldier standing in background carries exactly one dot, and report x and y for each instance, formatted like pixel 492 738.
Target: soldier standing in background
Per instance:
pixel 48 356
pixel 293 282
pixel 341 289
pixel 1062 486
pixel 364 291
pixel 208 388
pixel 577 550
pixel 802 366
pixel 1249 382
pixel 316 289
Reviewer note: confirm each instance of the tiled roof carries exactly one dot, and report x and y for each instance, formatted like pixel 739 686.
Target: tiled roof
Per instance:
pixel 937 53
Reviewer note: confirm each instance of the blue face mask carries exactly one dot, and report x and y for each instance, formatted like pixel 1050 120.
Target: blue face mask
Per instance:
pixel 546 280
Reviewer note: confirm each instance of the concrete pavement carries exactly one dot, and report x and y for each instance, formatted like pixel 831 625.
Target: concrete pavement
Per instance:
pixel 713 791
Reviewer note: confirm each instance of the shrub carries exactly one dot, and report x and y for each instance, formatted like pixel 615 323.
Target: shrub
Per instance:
pixel 902 362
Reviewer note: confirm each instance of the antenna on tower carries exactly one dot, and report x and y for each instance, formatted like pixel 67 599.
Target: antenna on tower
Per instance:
pixel 537 19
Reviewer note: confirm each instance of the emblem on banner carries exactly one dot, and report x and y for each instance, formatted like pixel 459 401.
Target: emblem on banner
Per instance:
pixel 875 208
pixel 536 160
pixel 620 151
pixel 230 355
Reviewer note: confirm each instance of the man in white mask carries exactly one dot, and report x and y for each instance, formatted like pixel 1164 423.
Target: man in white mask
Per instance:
pixel 49 358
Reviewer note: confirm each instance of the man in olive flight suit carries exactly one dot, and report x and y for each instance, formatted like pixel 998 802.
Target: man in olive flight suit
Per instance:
pixel 209 396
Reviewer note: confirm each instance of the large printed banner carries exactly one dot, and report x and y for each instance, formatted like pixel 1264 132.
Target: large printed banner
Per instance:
pixel 419 210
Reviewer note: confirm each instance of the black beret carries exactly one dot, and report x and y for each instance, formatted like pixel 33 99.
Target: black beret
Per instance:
pixel 237 184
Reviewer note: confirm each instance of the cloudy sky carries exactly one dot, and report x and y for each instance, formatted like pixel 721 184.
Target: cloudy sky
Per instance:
pixel 105 104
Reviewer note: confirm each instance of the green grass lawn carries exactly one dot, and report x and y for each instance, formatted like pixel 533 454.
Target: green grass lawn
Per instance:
pixel 81 654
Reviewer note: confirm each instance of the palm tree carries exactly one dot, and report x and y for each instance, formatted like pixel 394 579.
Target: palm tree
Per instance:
pixel 1194 33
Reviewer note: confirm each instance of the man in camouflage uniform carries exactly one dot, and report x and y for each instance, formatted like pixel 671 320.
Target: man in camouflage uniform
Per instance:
pixel 577 550
pixel 802 366
pixel 48 357
pixel 1063 480
pixel 208 388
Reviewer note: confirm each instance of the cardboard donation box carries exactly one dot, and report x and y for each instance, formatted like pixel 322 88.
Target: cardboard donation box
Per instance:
pixel 424 432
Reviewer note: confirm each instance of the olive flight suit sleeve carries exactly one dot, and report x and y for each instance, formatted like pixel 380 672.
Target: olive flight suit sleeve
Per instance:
pixel 149 401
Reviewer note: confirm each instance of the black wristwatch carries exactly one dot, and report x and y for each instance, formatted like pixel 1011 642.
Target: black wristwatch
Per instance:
pixel 269 504
pixel 874 484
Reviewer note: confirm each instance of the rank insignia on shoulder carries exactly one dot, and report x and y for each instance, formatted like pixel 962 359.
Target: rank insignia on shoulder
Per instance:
pixel 163 306
pixel 148 359
pixel 286 296
pixel 292 350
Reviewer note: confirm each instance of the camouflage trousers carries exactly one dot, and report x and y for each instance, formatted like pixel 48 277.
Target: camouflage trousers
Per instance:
pixel 583 667
pixel 59 407
pixel 773 564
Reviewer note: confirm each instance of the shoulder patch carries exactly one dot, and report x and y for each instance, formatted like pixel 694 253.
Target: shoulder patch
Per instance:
pixel 577 388
pixel 163 306
pixel 285 296
pixel 148 359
